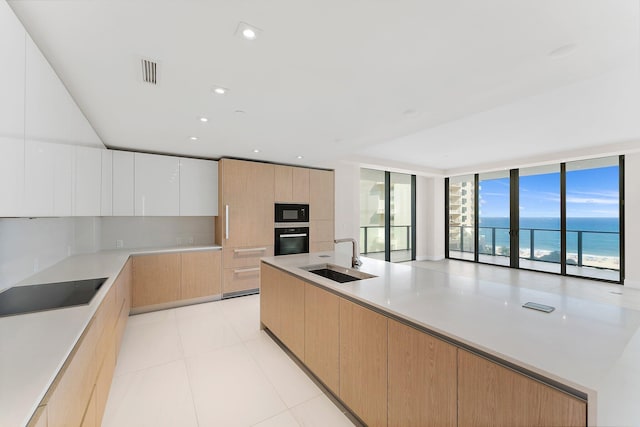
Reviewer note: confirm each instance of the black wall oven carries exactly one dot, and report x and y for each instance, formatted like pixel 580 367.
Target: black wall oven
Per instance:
pixel 287 212
pixel 291 239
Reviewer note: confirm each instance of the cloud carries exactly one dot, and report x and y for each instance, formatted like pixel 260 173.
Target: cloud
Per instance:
pixel 591 200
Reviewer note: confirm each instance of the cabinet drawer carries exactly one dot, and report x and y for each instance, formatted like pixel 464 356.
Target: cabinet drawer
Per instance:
pixel 246 256
pixel 241 279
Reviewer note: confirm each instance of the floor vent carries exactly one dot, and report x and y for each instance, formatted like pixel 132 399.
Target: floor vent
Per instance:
pixel 149 72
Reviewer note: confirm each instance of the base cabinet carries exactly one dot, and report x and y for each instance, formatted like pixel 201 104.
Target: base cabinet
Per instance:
pixel 422 379
pixel 322 335
pixel 363 362
pixel 490 394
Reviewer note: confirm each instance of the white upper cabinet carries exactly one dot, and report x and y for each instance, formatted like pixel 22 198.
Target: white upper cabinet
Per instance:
pixel 87 181
pixel 106 204
pixel 157 185
pixel 122 181
pixel 11 177
pixel 48 179
pixel 198 187
pixel 12 54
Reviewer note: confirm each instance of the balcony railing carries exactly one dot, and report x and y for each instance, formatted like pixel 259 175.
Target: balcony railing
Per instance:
pixel 372 237
pixel 461 239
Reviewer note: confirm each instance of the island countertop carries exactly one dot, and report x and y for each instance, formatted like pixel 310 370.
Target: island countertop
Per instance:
pixel 589 346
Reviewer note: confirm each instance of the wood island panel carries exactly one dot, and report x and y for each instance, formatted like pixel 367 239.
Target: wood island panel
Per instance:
pixel 269 298
pixel 363 362
pixel 156 279
pixel 322 335
pixel 490 394
pixel 422 379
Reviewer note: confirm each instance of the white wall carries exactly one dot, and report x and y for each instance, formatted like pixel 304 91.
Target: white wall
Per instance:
pixel 31 245
pixel 429 218
pixel 347 203
pixel 632 224
pixel 142 232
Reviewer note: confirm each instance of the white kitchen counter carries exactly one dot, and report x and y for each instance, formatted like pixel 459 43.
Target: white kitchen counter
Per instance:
pixel 589 346
pixel 33 347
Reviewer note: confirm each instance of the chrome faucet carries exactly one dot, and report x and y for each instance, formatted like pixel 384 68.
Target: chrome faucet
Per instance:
pixel 355 261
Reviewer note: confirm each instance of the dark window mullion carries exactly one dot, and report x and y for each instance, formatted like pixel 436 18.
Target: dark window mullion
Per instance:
pixel 447 229
pixel 387 216
pixel 413 218
pixel 621 216
pixel 476 217
pixel 563 219
pixel 514 221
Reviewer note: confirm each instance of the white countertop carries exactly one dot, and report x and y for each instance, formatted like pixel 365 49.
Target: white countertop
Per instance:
pixel 590 346
pixel 34 346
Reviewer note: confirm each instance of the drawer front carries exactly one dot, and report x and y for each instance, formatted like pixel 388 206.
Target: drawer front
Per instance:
pixel 241 279
pixel 246 256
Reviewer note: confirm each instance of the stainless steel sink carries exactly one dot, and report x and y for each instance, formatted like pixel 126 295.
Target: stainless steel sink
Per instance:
pixel 337 273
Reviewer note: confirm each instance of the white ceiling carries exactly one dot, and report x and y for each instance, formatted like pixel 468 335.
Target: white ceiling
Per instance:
pixel 439 85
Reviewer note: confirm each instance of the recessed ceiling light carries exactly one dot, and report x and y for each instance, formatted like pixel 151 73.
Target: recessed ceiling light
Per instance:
pixel 218 90
pixel 256 150
pixel 193 138
pixel 247 31
pixel 562 51
pixel 300 157
pixel 204 119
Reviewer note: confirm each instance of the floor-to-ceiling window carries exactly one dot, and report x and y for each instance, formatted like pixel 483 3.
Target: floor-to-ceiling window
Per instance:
pixel 461 217
pixel 564 218
pixel 387 215
pixel 494 219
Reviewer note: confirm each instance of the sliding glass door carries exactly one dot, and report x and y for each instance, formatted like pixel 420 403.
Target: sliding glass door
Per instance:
pixel 494 219
pixel 566 218
pixel 387 215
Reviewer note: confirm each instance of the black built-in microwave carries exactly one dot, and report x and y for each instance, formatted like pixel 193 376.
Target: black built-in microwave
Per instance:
pixel 288 212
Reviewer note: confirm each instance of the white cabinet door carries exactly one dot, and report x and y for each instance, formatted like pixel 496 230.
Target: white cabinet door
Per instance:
pixel 87 181
pixel 11 177
pixel 12 70
pixel 157 185
pixel 106 207
pixel 198 187
pixel 122 183
pixel 48 179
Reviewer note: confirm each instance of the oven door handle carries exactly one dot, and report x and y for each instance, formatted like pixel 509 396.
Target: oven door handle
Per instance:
pixel 294 235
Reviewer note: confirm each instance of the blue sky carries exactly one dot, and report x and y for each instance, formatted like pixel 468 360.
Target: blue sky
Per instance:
pixel 590 193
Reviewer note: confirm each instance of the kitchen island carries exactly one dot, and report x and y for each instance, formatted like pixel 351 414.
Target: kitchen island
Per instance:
pixel 582 355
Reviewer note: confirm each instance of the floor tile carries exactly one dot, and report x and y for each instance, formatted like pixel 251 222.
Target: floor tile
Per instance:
pixel 230 389
pixel 320 412
pixel 291 383
pixel 285 419
pixel 149 340
pixel 204 330
pixel 243 314
pixel 154 397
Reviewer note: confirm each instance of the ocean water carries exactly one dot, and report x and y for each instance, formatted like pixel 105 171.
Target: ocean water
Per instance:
pixel 600 236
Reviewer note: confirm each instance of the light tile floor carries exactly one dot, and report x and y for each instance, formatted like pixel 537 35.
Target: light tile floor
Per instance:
pixel 211 365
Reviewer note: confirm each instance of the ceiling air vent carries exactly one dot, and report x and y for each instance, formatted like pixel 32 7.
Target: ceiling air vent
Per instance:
pixel 149 71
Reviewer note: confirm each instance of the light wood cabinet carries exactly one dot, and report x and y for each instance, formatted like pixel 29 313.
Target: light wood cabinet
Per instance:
pixel 103 381
pixel 247 192
pixel 283 304
pixel 322 335
pixel 490 394
pixel 363 362
pixel 39 418
pixel 321 194
pixel 90 416
pixel 156 279
pixel 291 184
pixel 200 274
pixel 422 379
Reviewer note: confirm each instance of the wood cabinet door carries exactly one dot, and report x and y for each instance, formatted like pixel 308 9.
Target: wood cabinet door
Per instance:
pixel 201 274
pixel 322 335
pixel 490 394
pixel 269 316
pixel 156 279
pixel 321 195
pixel 300 185
pixel 363 362
pixel 247 203
pixel 291 308
pixel 422 379
pixel 283 184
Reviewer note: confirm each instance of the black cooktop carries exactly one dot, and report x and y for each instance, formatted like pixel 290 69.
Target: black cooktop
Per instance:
pixel 49 296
